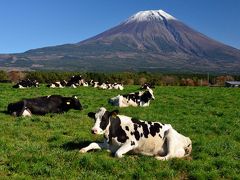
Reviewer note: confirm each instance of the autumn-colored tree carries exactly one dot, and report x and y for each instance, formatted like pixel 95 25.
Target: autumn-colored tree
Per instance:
pixel 169 81
pixel 16 76
pixel 220 80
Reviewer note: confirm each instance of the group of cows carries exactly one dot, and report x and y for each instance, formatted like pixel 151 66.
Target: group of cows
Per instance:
pixel 74 82
pixel 122 134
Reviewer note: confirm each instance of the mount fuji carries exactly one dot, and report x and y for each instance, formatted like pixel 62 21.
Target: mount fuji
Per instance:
pixel 147 41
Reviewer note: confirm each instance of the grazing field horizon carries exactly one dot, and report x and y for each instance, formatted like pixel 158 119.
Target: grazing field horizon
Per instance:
pixel 48 146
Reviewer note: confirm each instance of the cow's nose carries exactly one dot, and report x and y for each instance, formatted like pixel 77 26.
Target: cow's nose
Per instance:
pixel 94 131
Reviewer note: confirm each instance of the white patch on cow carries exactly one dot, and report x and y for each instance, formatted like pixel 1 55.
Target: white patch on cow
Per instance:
pixel 68 103
pixel 95 84
pixel 73 86
pixel 98 117
pixel 118 86
pixel 52 86
pixel 122 101
pixel 85 84
pixel 59 84
pixel 143 104
pixel 20 86
pixel 75 97
pixel 26 112
pixel 103 86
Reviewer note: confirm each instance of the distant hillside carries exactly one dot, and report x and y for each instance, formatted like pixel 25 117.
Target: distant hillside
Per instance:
pixel 147 41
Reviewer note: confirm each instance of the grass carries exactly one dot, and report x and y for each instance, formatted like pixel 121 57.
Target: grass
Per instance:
pixel 47 146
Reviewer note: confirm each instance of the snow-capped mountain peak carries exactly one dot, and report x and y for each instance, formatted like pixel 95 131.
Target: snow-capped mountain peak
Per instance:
pixel 150 15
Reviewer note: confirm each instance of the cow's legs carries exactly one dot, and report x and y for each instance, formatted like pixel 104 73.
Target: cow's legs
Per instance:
pixel 124 149
pixel 94 145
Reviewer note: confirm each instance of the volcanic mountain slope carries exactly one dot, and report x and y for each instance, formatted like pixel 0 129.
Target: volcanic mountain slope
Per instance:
pixel 147 41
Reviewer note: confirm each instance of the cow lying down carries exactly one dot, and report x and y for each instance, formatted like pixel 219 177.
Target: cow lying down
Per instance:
pixel 44 105
pixel 123 134
pixel 141 98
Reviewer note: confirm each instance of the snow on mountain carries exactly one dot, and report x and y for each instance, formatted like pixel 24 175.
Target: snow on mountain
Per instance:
pixel 150 15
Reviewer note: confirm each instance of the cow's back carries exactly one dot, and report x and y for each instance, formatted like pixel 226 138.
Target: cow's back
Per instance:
pixel 149 136
pixel 45 104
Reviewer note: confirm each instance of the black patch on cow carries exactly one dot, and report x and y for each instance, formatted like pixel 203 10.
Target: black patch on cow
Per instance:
pixel 155 128
pixel 105 120
pixel 16 109
pixel 160 136
pixel 133 96
pixel 127 128
pixel 143 125
pixel 141 134
pixel 132 143
pixel 136 133
pixel 115 130
pixel 146 96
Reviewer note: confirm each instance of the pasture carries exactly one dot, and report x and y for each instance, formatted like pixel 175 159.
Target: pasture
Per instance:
pixel 47 146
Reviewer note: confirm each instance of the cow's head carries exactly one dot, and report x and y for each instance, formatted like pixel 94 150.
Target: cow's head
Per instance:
pixel 101 118
pixel 147 95
pixel 73 103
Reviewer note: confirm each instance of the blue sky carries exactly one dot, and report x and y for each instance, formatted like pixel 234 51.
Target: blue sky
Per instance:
pixel 29 24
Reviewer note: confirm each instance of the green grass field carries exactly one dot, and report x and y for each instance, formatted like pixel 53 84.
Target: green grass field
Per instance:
pixel 47 146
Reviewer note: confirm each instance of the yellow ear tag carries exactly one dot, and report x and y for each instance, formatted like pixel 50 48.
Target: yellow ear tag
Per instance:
pixel 68 103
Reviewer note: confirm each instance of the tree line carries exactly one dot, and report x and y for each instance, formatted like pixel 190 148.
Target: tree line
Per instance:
pixel 127 78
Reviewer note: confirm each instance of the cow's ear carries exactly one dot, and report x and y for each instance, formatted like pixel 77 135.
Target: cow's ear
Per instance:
pixel 91 115
pixel 114 112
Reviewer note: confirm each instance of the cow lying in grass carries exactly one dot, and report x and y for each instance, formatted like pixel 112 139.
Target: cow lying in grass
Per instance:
pixel 44 105
pixel 141 98
pixel 26 84
pixel 123 134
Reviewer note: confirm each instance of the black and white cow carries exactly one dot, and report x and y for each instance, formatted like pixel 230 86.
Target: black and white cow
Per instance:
pixel 58 84
pixel 118 86
pixel 123 134
pixel 44 105
pixel 26 83
pixel 75 81
pixel 141 98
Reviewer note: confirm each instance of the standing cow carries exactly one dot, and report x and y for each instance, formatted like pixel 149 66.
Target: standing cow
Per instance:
pixel 123 134
pixel 44 105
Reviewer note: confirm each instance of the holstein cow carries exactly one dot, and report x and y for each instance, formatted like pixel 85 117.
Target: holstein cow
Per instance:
pixel 117 86
pixel 75 81
pixel 58 84
pixel 123 134
pixel 141 98
pixel 26 83
pixel 44 105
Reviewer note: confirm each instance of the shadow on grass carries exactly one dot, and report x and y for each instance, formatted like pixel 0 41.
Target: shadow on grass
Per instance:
pixel 73 145
pixel 4 112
